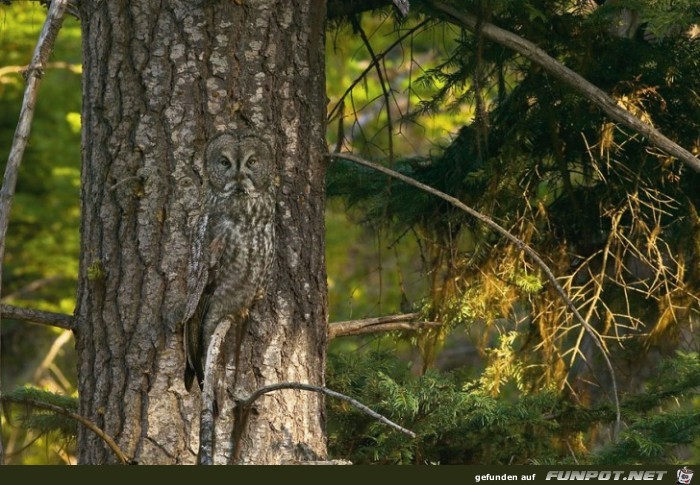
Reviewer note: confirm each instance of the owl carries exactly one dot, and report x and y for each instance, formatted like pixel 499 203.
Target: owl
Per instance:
pixel 233 246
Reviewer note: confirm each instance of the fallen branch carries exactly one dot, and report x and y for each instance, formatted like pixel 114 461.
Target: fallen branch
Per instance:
pixel 44 46
pixel 247 403
pixel 60 320
pixel 70 414
pixel 390 323
pixel 569 77
pixel 518 242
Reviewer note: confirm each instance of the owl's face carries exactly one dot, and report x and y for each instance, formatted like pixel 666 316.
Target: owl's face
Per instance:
pixel 238 165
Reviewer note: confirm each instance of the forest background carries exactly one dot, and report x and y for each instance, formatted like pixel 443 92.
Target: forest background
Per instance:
pixel 508 376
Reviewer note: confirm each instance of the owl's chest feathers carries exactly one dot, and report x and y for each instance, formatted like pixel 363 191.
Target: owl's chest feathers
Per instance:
pixel 244 227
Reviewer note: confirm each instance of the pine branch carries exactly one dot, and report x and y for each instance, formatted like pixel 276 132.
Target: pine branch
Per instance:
pixel 389 323
pixel 247 403
pixel 569 77
pixel 70 414
pixel 42 51
pixel 518 242
pixel 60 320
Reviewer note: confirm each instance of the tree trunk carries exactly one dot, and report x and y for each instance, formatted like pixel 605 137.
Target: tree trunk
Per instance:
pixel 160 79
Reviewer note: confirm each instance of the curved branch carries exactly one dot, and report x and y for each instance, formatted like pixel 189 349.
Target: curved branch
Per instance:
pixel 518 242
pixel 247 403
pixel 569 77
pixel 212 377
pixel 81 419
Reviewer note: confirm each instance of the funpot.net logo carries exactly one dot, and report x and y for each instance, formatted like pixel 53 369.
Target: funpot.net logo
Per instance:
pixel 606 475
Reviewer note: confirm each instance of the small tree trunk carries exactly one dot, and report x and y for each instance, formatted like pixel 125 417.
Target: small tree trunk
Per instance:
pixel 160 78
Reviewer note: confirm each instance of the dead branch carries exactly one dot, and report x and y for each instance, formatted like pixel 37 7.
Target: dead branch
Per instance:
pixel 70 414
pixel 518 243
pixel 42 51
pixel 247 403
pixel 60 320
pixel 389 323
pixel 569 77
pixel 212 378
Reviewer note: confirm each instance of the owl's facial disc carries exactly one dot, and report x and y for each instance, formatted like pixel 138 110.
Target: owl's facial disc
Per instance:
pixel 241 179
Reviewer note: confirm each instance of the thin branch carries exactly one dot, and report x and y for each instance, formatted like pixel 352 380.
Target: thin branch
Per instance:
pixel 382 83
pixel 518 243
pixel 375 60
pixel 247 403
pixel 212 376
pixel 60 320
pixel 389 323
pixel 44 46
pixel 569 77
pixel 70 414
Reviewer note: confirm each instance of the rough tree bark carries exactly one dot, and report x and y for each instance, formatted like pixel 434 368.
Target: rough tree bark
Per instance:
pixel 160 78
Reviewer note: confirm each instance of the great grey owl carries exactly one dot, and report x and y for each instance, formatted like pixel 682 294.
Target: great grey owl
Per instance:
pixel 233 247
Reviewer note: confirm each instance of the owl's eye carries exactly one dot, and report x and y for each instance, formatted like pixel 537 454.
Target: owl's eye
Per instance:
pixel 252 161
pixel 224 162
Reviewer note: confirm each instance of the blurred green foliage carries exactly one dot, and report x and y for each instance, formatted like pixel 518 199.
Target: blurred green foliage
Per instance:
pixel 41 256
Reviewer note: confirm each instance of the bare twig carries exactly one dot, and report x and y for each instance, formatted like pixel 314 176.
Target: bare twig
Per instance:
pixel 389 323
pixel 518 243
pixel 247 403
pixel 569 77
pixel 60 320
pixel 374 60
pixel 48 360
pixel 70 414
pixel 43 49
pixel 382 83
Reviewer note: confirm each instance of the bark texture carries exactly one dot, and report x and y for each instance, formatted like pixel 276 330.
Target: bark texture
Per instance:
pixel 160 79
